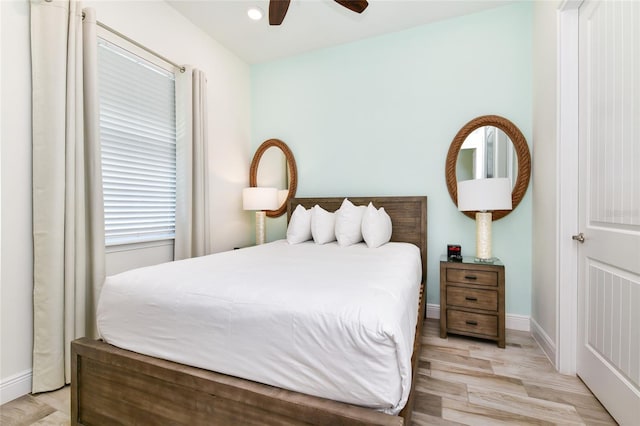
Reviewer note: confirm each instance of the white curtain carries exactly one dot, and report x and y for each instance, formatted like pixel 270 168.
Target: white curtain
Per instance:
pixel 68 223
pixel 193 218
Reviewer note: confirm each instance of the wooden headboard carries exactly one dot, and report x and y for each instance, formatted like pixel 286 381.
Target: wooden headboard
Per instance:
pixel 408 217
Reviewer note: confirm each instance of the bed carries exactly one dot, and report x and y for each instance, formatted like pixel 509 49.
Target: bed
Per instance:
pixel 113 385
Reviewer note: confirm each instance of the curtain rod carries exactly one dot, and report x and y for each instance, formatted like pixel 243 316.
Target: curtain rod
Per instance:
pixel 119 34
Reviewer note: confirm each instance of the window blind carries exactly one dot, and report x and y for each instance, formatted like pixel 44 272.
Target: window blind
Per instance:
pixel 138 137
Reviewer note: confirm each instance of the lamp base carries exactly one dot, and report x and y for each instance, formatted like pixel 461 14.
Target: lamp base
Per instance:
pixel 260 227
pixel 491 260
pixel 483 237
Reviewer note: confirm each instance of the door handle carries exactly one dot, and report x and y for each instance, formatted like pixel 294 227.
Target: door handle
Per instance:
pixel 579 238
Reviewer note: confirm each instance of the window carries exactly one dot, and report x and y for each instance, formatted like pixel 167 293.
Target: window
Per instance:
pixel 138 137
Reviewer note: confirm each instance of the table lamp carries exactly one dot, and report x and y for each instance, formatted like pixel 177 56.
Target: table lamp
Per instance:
pixel 260 199
pixel 484 196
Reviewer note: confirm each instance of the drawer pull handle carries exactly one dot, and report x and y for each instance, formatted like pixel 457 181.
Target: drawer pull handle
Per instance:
pixel 471 299
pixel 472 322
pixel 470 277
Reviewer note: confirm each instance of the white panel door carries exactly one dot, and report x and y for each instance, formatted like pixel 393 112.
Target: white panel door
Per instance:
pixel 608 346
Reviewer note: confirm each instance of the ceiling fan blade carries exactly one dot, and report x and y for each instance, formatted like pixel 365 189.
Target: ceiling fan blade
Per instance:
pixel 357 6
pixel 277 11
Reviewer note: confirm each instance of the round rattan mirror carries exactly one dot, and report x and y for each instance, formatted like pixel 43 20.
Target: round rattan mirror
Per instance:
pixel 484 136
pixel 273 165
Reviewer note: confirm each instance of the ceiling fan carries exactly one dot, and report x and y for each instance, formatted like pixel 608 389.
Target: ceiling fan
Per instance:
pixel 278 8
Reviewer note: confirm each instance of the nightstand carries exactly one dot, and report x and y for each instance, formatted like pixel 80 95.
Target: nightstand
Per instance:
pixel 472 299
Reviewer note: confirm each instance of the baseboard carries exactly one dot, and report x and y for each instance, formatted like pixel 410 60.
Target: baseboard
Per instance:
pixel 15 386
pixel 517 322
pixel 512 321
pixel 546 343
pixel 433 311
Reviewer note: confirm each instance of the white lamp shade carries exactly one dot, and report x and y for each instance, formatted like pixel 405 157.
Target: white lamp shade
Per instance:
pixel 484 194
pixel 259 198
pixel 282 196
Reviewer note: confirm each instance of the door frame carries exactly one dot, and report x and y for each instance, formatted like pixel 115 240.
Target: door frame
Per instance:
pixel 567 189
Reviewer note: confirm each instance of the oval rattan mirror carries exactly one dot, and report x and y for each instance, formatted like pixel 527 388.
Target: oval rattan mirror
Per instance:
pixel 520 150
pixel 282 174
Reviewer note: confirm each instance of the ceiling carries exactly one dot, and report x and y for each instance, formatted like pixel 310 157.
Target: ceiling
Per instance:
pixel 314 24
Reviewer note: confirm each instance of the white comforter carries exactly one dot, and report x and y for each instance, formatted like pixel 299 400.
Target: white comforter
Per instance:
pixel 335 322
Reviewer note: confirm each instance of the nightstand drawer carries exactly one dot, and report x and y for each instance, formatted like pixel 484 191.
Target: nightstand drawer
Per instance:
pixel 470 276
pixel 472 323
pixel 472 298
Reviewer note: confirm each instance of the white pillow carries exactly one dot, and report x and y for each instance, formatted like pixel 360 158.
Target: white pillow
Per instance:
pixel 299 229
pixel 376 227
pixel 323 225
pixel 349 223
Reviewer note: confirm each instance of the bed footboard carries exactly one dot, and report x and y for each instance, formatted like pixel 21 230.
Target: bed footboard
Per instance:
pixel 115 386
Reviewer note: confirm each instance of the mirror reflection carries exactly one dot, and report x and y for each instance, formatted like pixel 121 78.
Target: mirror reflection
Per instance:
pixel 274 166
pixel 487 152
pixel 273 172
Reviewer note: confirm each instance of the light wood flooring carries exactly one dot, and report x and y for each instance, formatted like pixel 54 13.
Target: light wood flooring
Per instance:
pixel 461 381
pixel 473 382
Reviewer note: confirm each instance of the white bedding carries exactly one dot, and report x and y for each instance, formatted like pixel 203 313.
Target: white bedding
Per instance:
pixel 335 322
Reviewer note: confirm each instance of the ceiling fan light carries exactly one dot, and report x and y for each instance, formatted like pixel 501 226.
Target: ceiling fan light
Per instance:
pixel 255 13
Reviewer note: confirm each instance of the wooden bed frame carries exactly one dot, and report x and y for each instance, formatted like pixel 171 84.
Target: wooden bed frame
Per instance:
pixel 113 386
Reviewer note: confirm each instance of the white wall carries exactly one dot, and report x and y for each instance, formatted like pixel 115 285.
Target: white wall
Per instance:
pixel 16 285
pixel 159 27
pixel 544 177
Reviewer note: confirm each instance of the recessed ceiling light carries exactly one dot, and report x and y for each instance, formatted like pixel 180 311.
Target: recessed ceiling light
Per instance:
pixel 254 13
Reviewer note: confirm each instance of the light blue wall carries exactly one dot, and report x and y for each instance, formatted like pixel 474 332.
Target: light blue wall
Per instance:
pixel 376 117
